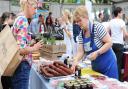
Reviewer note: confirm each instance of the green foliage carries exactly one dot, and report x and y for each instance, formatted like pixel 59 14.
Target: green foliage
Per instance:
pixel 45 40
pixel 103 1
pixel 14 2
pixel 51 41
pixel 41 38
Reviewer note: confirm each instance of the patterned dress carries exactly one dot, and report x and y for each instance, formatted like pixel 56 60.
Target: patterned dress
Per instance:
pixel 20 31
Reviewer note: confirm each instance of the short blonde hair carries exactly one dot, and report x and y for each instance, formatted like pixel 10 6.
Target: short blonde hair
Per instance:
pixel 68 13
pixel 80 11
pixel 23 3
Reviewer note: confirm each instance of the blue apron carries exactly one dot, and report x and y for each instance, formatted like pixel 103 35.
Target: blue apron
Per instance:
pixel 106 62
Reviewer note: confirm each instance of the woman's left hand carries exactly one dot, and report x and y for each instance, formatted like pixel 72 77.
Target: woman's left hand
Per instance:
pixel 93 55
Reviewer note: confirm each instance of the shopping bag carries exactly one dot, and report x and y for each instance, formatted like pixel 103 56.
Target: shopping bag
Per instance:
pixel 9 52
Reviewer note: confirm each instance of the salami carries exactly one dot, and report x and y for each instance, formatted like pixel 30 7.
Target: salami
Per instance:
pixel 56 69
pixel 60 70
pixel 52 71
pixel 59 63
pixel 45 72
pixel 67 70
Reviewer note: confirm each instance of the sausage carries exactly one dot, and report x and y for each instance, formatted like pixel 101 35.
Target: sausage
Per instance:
pixel 52 71
pixel 66 69
pixel 55 68
pixel 60 70
pixel 42 66
pixel 52 66
pixel 60 63
pixel 46 73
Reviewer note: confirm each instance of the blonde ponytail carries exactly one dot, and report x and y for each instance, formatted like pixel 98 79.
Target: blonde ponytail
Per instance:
pixel 68 14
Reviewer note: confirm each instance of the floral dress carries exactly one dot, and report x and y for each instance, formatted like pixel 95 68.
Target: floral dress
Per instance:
pixel 20 31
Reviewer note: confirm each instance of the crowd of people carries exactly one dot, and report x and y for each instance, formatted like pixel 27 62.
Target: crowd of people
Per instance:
pixel 102 44
pixel 118 32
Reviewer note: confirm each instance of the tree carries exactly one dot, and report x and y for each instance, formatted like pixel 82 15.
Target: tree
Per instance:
pixel 103 1
pixel 15 2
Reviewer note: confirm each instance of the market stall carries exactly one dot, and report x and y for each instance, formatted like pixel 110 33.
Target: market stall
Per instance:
pixel 88 78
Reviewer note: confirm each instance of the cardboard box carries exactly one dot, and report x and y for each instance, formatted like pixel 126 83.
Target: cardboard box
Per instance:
pixel 9 55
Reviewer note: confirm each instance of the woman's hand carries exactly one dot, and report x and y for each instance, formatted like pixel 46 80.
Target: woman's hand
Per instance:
pixel 26 51
pixel 73 68
pixel 37 46
pixel 93 55
pixel 32 42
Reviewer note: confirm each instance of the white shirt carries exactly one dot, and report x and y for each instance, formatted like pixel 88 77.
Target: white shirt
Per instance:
pixel 106 25
pixel 116 33
pixel 68 40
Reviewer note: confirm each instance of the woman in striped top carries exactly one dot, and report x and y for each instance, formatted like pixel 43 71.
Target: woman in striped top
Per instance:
pixel 95 42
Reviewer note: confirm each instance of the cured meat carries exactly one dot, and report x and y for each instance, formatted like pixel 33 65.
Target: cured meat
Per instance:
pixel 67 70
pixel 45 72
pixel 56 69
pixel 52 71
pixel 60 70
pixel 59 63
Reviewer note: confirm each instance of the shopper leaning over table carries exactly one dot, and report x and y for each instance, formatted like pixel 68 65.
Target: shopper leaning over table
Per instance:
pixel 20 78
pixel 95 42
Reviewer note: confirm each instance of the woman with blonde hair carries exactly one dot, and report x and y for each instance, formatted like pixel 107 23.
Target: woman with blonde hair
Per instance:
pixel 20 79
pixel 68 31
pixel 96 43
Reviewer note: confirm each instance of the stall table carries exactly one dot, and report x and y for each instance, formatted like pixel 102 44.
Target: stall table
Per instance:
pixel 37 81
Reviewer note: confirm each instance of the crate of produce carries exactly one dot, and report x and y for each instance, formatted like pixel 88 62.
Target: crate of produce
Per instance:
pixel 50 56
pixel 54 48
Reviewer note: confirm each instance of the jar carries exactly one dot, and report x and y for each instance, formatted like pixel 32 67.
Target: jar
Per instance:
pixel 83 86
pixel 77 86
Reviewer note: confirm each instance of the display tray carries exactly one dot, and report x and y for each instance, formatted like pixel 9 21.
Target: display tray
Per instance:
pixel 57 77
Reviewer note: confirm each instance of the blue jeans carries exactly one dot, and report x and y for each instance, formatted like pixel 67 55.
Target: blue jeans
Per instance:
pixel 20 79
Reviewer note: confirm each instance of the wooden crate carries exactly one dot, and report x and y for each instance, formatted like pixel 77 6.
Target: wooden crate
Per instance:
pixel 36 55
pixel 51 56
pixel 54 48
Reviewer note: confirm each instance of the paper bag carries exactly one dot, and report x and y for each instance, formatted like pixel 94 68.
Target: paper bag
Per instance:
pixel 8 52
pixel 0 83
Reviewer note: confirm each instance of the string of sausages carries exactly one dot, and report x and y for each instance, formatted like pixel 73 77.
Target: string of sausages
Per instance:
pixel 56 69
